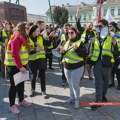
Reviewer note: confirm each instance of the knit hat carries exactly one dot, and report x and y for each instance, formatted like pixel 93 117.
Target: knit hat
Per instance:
pixel 73 29
pixel 32 29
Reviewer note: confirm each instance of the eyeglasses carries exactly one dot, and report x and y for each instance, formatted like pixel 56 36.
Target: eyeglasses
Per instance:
pixel 71 33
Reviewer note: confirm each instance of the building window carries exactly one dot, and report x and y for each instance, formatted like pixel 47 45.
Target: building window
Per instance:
pixel 89 17
pixel 84 17
pixel 119 11
pixel 112 11
pixel 105 11
pixel 71 17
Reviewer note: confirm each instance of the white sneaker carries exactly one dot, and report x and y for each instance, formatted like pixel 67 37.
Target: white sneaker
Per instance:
pixel 77 104
pixel 14 109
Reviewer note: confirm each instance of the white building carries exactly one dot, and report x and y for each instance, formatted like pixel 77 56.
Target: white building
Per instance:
pixel 89 12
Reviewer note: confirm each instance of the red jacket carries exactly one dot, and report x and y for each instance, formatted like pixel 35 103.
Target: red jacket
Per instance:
pixel 14 45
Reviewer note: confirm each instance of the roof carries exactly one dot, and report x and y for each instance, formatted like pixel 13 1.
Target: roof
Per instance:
pixel 112 1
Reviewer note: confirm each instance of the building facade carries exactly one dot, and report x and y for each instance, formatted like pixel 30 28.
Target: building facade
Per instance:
pixel 34 18
pixel 89 12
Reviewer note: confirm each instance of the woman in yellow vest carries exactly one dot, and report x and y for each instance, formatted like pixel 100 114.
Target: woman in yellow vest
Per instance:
pixel 37 59
pixel 16 60
pixel 73 61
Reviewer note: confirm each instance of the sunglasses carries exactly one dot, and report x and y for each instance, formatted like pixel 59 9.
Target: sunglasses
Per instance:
pixel 71 33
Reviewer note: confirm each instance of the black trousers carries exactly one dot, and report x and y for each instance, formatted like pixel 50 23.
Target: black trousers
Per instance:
pixel 116 71
pixel 49 57
pixel 12 70
pixel 35 67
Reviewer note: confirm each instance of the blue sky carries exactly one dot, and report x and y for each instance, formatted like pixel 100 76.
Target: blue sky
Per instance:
pixel 41 6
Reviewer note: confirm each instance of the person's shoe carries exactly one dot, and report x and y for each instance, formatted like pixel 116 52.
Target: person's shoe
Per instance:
pixel 77 104
pixel 32 93
pixel 52 69
pixel 111 85
pixel 118 87
pixel 25 103
pixel 44 94
pixel 14 109
pixel 94 107
pixel 90 76
pixel 64 83
pixel 82 78
pixel 104 99
pixel 70 101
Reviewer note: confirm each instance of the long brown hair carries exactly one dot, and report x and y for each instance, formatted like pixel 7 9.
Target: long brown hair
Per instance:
pixel 21 29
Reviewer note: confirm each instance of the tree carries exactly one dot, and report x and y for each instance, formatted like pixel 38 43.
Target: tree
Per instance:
pixel 60 15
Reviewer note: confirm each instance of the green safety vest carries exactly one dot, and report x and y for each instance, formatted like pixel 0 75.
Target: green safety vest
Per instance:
pixel 106 49
pixel 118 42
pixel 70 56
pixel 40 54
pixel 62 37
pixel 23 55
pixel 5 35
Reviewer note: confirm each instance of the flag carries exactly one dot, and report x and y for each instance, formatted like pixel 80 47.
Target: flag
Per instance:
pixel 99 10
pixel 109 17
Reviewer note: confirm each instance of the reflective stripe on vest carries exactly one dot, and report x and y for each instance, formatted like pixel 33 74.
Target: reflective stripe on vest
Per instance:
pixel 71 56
pixel 23 56
pixel 83 36
pixel 106 49
pixel 40 54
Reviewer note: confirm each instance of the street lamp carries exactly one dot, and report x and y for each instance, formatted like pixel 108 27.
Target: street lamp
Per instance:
pixel 51 12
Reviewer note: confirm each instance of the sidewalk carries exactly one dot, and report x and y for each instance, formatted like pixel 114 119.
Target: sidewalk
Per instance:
pixel 54 107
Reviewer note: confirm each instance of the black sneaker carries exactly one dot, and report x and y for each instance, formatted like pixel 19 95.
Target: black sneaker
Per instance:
pixel 104 99
pixel 94 107
pixel 32 93
pixel 44 95
pixel 52 69
pixel 111 85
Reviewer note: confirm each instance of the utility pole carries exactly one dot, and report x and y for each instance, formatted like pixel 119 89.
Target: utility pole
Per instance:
pixel 51 13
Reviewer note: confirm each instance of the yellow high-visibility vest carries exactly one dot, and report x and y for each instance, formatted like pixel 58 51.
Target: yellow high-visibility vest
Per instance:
pixel 71 56
pixel 40 54
pixel 23 55
pixel 106 49
pixel 118 42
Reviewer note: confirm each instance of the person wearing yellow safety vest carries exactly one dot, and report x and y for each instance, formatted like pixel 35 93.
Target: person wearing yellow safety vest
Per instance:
pixel 87 34
pixel 1 41
pixel 37 59
pixel 7 34
pixel 115 70
pixel 64 37
pixel 102 59
pixel 16 60
pixel 52 37
pixel 74 53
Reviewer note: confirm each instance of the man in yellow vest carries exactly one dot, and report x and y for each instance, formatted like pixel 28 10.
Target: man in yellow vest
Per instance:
pixel 115 70
pixel 64 37
pixel 102 58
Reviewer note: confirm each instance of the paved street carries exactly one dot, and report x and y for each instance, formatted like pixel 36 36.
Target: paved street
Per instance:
pixel 54 108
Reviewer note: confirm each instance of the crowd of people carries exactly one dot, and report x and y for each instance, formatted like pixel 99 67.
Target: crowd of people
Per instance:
pixel 28 46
